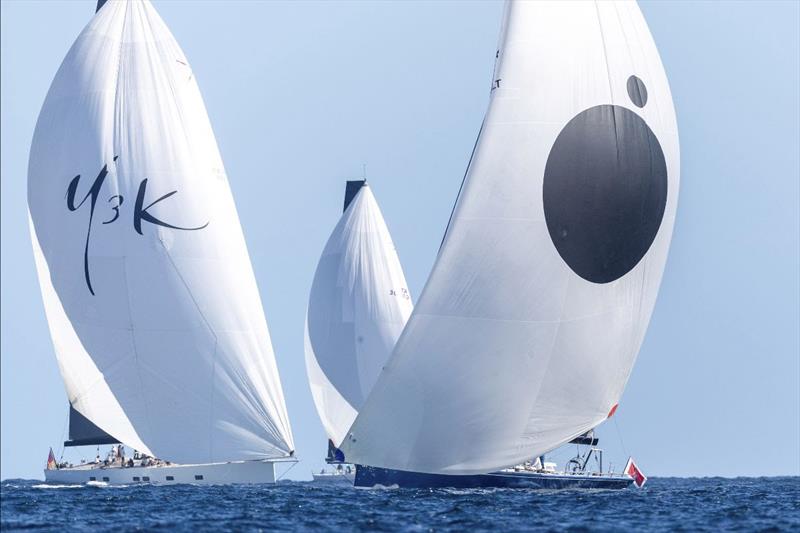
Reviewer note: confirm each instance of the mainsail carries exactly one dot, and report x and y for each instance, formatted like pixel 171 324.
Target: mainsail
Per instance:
pixel 143 254
pixel 358 305
pixel 532 318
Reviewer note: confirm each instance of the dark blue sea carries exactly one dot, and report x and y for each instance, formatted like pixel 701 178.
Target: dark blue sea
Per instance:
pixel 665 504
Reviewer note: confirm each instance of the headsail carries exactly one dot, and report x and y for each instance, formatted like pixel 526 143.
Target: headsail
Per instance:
pixel 87 391
pixel 131 207
pixel 358 305
pixel 533 315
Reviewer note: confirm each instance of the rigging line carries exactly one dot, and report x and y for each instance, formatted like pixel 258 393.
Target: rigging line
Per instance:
pixel 213 333
pixel 619 435
pixel 142 397
pixel 63 433
pixel 463 180
pixel 287 471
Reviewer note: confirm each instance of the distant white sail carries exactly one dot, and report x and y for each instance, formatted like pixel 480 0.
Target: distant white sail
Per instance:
pixel 529 325
pixel 358 305
pixel 87 390
pixel 131 206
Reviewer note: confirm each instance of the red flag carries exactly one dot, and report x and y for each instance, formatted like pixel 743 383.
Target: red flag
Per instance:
pixel 633 471
pixel 51 461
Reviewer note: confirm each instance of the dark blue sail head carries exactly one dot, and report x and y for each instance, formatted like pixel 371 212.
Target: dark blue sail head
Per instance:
pixel 335 455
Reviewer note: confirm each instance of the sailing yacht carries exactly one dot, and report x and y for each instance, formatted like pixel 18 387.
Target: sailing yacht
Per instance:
pixel 152 304
pixel 358 305
pixel 531 320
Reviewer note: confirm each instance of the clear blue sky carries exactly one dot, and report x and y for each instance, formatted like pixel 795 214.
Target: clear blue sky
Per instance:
pixel 301 94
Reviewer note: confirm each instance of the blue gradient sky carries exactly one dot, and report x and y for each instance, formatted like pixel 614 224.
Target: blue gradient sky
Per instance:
pixel 301 94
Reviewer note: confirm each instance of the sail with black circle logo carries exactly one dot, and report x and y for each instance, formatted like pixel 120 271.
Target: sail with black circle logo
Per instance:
pixel 358 305
pixel 529 325
pixel 152 302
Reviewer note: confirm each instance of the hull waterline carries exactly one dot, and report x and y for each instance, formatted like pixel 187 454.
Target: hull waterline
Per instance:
pixel 329 478
pixel 249 472
pixel 369 476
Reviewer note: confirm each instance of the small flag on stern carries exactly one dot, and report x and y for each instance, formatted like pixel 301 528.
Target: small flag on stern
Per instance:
pixel 51 460
pixel 633 471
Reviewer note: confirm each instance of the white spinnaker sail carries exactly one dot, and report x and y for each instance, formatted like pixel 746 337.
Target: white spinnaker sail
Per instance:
pixel 359 304
pixel 533 315
pixel 135 218
pixel 87 390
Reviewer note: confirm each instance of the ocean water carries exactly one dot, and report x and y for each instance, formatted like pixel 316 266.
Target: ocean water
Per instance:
pixel 665 504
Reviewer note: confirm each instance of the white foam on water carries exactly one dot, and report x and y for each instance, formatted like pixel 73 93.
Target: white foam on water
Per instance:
pixel 378 486
pixel 468 491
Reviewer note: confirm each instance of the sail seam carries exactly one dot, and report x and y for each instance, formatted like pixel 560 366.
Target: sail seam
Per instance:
pixel 171 83
pixel 144 398
pixel 516 321
pixel 145 401
pixel 520 219
pixel 206 323
pixel 634 332
pixel 605 51
pixel 655 100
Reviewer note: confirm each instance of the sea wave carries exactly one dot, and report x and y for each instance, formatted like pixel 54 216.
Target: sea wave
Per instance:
pixel 54 486
pixel 697 504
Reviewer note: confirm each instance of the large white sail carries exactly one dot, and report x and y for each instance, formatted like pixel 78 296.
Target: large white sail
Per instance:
pixel 358 305
pixel 533 315
pixel 134 215
pixel 87 390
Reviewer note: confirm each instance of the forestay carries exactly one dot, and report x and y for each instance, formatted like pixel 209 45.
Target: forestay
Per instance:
pixel 358 305
pixel 533 315
pixel 137 226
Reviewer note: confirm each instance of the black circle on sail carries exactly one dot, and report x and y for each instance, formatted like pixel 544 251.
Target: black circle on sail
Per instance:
pixel 637 92
pixel 605 191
